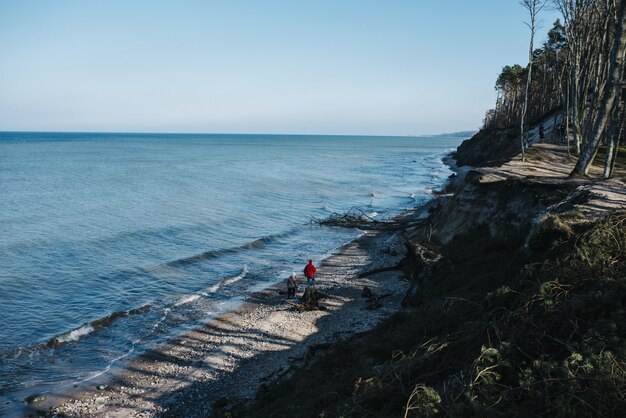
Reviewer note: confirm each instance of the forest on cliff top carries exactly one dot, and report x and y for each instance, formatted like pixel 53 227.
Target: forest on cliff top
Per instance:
pixel 577 75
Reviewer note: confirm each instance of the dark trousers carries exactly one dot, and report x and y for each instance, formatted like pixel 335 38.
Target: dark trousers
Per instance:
pixel 291 292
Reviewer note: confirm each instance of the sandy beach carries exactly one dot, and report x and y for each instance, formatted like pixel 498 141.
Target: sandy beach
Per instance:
pixel 228 359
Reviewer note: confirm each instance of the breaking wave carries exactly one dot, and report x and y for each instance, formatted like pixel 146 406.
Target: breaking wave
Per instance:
pixel 229 280
pixel 74 335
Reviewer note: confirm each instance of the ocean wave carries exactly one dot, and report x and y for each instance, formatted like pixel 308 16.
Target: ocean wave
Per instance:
pixel 208 255
pixel 109 319
pixel 183 300
pixel 88 328
pixel 74 335
pixel 127 353
pixel 229 280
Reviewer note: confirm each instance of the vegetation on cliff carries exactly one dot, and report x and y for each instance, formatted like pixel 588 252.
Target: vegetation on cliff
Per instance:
pixel 496 331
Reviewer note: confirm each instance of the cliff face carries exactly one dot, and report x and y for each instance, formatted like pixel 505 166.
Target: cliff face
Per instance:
pixel 489 148
pixel 502 208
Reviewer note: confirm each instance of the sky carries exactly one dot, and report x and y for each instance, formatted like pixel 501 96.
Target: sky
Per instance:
pixel 345 67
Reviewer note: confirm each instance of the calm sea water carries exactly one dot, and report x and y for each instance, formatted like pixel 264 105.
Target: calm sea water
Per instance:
pixel 111 243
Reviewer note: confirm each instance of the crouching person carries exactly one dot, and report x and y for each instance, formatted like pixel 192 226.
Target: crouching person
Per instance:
pixel 292 286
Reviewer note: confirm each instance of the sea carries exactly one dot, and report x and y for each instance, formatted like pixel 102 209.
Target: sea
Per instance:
pixel 113 243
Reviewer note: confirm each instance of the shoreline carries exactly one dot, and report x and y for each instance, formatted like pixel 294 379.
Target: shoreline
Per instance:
pixel 480 266
pixel 261 339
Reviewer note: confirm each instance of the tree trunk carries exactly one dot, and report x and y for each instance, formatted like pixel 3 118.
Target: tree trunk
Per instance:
pixel 565 123
pixel 576 110
pixel 609 96
pixel 533 13
pixel 610 155
pixel 613 146
pixel 544 87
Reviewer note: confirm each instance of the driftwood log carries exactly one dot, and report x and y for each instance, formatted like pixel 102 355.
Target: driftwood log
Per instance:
pixel 373 300
pixel 310 300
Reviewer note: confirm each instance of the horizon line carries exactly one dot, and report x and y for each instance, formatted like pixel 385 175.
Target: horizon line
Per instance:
pixel 230 133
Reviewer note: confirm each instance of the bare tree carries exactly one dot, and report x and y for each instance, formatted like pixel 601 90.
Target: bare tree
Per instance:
pixel 575 14
pixel 579 71
pixel 609 93
pixel 533 7
pixel 616 131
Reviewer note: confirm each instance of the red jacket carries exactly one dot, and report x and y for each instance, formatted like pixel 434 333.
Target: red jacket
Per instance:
pixel 310 269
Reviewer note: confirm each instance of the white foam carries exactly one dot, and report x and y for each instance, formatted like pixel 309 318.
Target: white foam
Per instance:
pixel 187 299
pixel 74 335
pixel 229 280
pixel 96 374
pixel 166 311
pixel 108 367
pixel 238 277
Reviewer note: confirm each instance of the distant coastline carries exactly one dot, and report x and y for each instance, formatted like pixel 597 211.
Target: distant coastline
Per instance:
pixel 460 134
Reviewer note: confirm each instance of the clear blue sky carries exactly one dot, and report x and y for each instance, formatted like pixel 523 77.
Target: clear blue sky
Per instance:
pixel 389 67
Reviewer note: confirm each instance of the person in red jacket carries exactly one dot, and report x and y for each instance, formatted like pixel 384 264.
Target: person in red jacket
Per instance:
pixel 309 272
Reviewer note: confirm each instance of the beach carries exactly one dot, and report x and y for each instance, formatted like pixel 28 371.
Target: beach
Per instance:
pixel 118 265
pixel 227 360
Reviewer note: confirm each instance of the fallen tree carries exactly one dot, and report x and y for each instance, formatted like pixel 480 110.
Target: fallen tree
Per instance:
pixel 353 218
pixel 357 218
